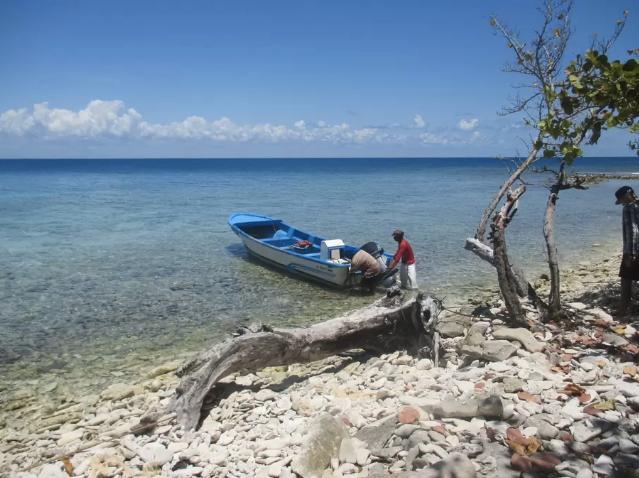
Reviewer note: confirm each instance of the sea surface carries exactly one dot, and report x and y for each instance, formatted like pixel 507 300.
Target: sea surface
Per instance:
pixel 111 266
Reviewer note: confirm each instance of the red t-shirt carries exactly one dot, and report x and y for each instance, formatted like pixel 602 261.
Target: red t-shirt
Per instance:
pixel 405 253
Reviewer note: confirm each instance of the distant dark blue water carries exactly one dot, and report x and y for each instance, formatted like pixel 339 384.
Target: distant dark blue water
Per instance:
pixel 105 264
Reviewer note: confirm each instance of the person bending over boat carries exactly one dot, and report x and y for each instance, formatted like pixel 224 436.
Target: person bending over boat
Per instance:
pixel 363 261
pixel 404 253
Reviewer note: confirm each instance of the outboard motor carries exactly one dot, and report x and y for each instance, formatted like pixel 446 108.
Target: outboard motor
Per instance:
pixel 373 249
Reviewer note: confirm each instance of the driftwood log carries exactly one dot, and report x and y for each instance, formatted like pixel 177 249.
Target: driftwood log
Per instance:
pixel 391 323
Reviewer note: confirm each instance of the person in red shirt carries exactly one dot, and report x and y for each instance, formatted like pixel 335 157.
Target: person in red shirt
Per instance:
pixel 404 253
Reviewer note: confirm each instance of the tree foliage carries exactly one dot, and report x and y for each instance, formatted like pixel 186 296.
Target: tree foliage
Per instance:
pixel 603 94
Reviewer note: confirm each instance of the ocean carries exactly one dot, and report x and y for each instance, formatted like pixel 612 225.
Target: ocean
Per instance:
pixel 108 267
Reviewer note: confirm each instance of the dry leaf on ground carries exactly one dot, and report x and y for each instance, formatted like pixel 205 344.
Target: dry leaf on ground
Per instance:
pixel 584 398
pixel 68 466
pixel 590 410
pixel 539 461
pixel 529 397
pixel 605 405
pixel 620 329
pixel 520 444
pixel 545 461
pixel 573 390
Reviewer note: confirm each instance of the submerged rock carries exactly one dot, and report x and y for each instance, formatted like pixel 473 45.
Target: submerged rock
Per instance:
pixel 118 391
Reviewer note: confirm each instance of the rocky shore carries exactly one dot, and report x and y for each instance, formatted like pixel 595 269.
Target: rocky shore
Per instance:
pixel 559 400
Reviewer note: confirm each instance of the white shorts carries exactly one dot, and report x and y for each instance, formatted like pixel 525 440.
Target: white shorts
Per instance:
pixel 408 276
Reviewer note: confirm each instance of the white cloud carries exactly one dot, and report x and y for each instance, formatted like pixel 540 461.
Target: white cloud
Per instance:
pixel 112 119
pixel 16 122
pixel 99 118
pixel 468 124
pixel 431 138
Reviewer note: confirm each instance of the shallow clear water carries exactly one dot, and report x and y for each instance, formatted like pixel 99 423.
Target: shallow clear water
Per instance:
pixel 110 265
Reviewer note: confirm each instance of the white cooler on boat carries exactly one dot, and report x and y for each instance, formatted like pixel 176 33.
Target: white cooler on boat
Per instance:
pixel 331 250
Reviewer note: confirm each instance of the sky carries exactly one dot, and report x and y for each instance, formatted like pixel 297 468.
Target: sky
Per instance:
pixel 323 78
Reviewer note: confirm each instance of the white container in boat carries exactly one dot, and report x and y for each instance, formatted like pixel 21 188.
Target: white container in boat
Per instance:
pixel 331 249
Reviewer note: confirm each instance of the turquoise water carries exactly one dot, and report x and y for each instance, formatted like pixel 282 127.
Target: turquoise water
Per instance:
pixel 109 265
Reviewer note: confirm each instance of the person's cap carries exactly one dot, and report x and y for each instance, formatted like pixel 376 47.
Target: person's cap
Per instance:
pixel 621 192
pixel 398 232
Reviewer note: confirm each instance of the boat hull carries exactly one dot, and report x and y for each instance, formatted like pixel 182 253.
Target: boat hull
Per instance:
pixel 313 270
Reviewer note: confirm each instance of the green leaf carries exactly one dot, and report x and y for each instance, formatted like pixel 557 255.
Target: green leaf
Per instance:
pixel 630 65
pixel 566 104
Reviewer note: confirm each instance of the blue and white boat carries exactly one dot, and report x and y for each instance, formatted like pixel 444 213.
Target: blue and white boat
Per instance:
pixel 313 257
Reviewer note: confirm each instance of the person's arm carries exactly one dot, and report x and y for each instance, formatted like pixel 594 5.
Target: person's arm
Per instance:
pixel 634 231
pixel 627 226
pixel 397 256
pixel 627 230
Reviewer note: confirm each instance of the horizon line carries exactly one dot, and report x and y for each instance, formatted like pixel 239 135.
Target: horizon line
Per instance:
pixel 282 157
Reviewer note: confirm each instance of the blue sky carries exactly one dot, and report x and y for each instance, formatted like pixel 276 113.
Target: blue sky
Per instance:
pixel 279 78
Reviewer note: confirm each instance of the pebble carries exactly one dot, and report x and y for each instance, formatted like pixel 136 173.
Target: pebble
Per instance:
pixel 70 437
pixel 603 465
pixel 584 431
pixel 226 438
pixel 155 454
pixel 275 469
pixel 404 431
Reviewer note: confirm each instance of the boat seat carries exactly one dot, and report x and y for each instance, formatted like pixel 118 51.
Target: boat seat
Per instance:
pixel 307 251
pixel 280 242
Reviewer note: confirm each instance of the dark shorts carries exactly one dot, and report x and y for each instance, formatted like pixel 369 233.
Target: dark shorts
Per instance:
pixel 630 271
pixel 371 282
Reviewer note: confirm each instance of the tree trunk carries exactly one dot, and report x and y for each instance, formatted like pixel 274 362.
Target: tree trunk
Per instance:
pixel 505 276
pixel 488 212
pixel 554 298
pixel 386 325
pixel 481 250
